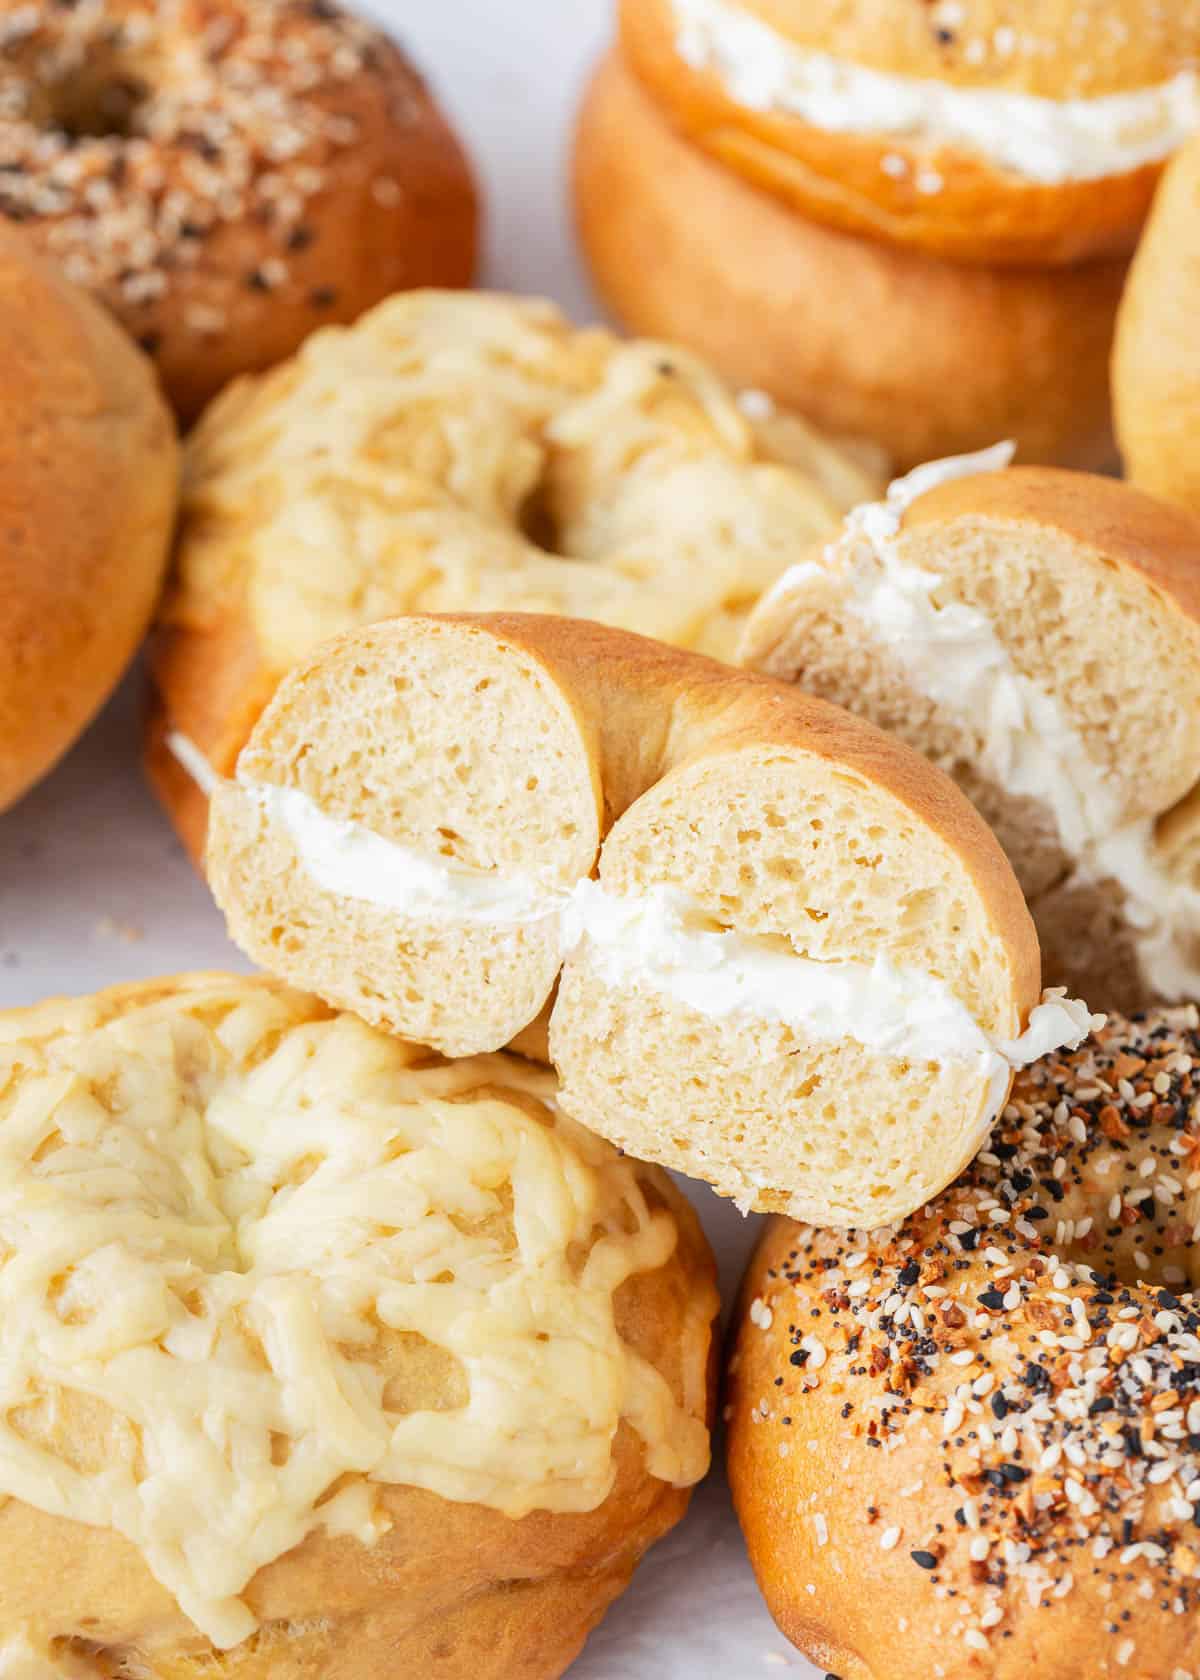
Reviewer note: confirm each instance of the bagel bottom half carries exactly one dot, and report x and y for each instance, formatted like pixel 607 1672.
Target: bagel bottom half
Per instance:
pixel 918 355
pixel 323 1358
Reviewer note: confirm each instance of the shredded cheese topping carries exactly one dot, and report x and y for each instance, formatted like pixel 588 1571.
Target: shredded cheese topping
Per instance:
pixel 401 465
pixel 285 1258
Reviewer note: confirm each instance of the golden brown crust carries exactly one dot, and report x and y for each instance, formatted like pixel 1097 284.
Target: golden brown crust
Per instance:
pixel 218 680
pixel 355 188
pixel 979 213
pixel 995 1485
pixel 88 480
pixel 1156 360
pixel 1133 531
pixel 458 1589
pixel 1058 49
pixel 926 358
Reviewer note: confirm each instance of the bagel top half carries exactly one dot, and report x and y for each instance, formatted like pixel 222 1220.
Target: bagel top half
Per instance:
pixel 322 1357
pixel 790 957
pixel 470 452
pixel 983 132
pixel 1037 634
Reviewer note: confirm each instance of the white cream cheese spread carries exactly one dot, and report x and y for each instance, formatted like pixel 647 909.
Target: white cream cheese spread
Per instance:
pixel 951 654
pixel 346 858
pixel 664 941
pixel 1048 141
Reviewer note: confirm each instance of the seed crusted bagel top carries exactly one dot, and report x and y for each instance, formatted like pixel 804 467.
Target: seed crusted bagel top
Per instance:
pixel 1009 1380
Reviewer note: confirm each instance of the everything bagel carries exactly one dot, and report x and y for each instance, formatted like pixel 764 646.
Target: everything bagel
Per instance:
pixel 226 175
pixel 790 957
pixel 970 1444
pixel 983 132
pixel 469 452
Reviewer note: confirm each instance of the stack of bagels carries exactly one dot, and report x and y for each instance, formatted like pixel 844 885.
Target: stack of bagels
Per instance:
pixel 613 776
pixel 912 221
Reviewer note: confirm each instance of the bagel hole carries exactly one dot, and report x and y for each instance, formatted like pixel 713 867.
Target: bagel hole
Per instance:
pixel 420 1376
pixel 102 101
pixel 537 523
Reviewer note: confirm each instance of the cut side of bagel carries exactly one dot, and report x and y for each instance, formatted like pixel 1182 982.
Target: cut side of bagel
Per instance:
pixel 376 839
pixel 790 957
pixel 1036 634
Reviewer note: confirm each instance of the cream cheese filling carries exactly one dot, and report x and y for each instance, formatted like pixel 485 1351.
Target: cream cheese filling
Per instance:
pixel 951 654
pixel 347 859
pixel 665 942
pixel 662 940
pixel 1047 141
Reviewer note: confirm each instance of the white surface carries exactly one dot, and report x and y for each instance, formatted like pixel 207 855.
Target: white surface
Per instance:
pixel 95 890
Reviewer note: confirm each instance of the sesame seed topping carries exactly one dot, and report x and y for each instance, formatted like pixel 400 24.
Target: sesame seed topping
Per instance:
pixel 1053 1370
pixel 128 171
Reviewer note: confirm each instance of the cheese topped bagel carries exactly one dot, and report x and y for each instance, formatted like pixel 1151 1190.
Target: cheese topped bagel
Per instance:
pixel 458 452
pixel 988 132
pixel 790 957
pixel 319 1355
pixel 1037 634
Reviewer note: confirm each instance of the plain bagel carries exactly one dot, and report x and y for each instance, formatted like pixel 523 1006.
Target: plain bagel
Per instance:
pixel 983 131
pixel 227 177
pixel 970 1445
pixel 324 1358
pixel 1156 360
pixel 1037 634
pixel 89 470
pixel 790 958
pixel 926 357
pixel 467 451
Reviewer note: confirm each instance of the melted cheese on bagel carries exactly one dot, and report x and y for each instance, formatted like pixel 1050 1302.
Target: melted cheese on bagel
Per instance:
pixel 270 1262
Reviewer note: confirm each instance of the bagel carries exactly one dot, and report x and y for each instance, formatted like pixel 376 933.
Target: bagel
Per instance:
pixel 925 357
pixel 749 900
pixel 970 1444
pixel 1156 361
pixel 228 176
pixel 323 1357
pixel 1037 634
pixel 449 452
pixel 89 475
pixel 983 131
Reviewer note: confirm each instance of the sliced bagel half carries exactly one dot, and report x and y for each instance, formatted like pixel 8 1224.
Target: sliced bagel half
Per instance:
pixel 790 957
pixel 1035 633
